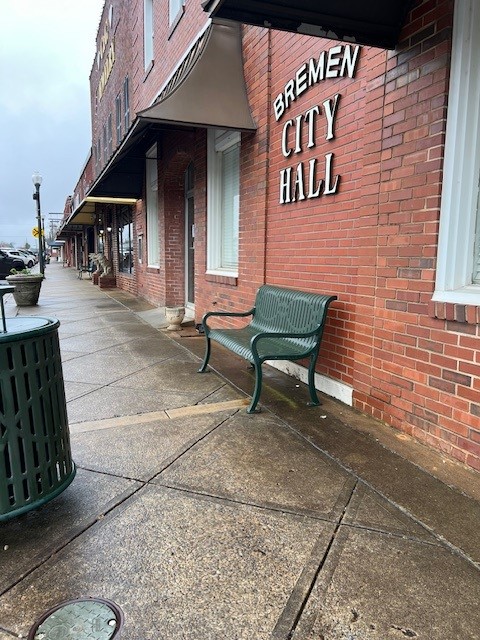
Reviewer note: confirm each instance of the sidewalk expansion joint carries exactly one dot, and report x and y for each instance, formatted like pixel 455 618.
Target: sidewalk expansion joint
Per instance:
pixel 153 416
pixel 217 498
pixel 285 628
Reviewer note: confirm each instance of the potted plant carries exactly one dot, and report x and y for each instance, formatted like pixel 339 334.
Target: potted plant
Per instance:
pixel 27 286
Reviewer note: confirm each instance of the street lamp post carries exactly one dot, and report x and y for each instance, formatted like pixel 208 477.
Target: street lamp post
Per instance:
pixel 37 181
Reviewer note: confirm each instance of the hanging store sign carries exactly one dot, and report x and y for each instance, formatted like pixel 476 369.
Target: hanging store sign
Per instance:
pixel 302 182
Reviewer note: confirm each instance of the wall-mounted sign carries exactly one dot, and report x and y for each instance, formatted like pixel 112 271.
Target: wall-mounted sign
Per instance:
pixel 105 54
pixel 106 71
pixel 302 181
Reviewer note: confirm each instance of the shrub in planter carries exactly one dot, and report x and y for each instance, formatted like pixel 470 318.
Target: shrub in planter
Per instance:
pixel 27 287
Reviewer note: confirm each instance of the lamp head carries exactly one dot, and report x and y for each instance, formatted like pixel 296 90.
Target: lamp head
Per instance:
pixel 36 179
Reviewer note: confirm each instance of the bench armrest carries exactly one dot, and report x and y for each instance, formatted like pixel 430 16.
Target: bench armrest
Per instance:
pixel 231 314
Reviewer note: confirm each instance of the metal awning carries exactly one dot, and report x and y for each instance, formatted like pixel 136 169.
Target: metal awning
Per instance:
pixel 85 214
pixel 123 175
pixel 371 22
pixel 206 89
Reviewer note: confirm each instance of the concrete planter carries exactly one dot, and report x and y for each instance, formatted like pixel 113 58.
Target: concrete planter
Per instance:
pixel 27 288
pixel 174 316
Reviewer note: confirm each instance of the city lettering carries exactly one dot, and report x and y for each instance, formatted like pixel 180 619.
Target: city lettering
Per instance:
pixel 310 119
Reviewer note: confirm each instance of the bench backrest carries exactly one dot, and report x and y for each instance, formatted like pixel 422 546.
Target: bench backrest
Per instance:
pixel 291 311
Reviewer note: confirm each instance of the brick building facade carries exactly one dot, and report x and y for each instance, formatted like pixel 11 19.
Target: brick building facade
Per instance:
pixel 354 180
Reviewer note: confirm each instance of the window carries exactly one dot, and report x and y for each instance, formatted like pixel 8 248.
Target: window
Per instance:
pixel 109 135
pixel 148 32
pixel 458 261
pixel 151 195
pixel 118 117
pixel 126 106
pixel 125 240
pixel 105 144
pixel 223 201
pixel 175 9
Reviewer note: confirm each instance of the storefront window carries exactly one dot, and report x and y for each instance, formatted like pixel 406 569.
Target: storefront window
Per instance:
pixel 223 201
pixel 125 241
pixel 151 194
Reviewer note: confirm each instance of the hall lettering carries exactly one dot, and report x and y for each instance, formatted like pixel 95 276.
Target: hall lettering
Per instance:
pixel 301 183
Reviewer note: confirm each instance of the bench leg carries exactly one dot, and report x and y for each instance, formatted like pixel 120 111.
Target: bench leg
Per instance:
pixel 314 401
pixel 258 387
pixel 203 368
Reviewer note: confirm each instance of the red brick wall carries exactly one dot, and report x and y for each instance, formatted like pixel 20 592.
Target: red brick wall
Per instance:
pixel 412 85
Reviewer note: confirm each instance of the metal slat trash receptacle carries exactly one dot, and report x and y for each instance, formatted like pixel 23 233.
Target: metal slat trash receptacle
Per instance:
pixel 35 454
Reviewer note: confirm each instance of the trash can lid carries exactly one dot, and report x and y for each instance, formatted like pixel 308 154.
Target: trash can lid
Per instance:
pixel 26 326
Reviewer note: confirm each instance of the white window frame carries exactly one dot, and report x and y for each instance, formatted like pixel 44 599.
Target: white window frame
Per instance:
pixel 151 205
pixel 218 142
pixel 175 7
pixel 147 32
pixel 458 211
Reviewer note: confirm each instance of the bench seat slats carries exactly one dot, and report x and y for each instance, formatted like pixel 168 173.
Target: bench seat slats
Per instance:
pixel 238 341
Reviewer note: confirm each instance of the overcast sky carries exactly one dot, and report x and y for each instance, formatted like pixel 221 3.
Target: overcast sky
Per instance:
pixel 47 50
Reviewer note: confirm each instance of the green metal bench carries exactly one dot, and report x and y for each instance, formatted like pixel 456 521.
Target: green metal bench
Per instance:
pixel 286 325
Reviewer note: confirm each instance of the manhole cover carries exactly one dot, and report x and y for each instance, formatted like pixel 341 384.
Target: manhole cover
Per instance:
pixel 82 619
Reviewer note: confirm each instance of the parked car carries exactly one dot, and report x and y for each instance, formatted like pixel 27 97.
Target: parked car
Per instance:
pixel 15 253
pixel 29 254
pixel 9 262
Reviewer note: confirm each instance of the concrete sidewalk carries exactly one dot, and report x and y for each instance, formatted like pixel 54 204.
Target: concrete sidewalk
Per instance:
pixel 203 522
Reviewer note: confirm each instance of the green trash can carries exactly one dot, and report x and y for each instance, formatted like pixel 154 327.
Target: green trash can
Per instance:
pixel 35 454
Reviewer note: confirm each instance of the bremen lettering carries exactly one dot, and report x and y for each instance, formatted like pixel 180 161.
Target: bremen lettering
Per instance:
pixel 339 61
